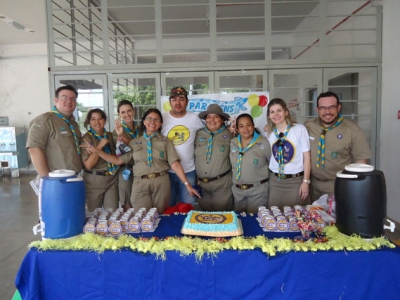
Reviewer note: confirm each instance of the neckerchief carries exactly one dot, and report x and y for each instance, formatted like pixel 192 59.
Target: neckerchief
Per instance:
pixel 111 167
pixel 256 138
pixel 280 139
pixel 58 114
pixel 149 148
pixel 130 132
pixel 210 141
pixel 321 143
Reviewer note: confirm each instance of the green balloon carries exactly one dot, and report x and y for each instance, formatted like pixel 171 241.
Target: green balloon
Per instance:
pixel 256 111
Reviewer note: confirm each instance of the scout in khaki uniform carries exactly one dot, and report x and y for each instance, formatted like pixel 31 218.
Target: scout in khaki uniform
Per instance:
pixel 250 155
pixel 54 137
pixel 125 131
pixel 213 167
pixel 335 143
pixel 153 155
pixel 99 176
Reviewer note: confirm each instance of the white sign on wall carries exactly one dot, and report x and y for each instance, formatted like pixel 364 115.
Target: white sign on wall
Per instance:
pixel 233 104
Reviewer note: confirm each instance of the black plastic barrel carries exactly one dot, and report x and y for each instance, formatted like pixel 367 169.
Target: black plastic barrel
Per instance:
pixel 360 201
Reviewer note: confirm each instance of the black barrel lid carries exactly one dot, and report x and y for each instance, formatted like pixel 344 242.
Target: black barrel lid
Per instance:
pixel 359 168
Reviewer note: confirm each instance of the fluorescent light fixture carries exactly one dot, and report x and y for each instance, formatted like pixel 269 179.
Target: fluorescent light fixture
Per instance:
pixel 15 24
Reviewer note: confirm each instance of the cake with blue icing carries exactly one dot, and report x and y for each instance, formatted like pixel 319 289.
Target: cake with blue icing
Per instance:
pixel 215 224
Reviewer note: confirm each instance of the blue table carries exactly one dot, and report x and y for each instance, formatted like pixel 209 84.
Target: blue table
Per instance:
pixel 231 275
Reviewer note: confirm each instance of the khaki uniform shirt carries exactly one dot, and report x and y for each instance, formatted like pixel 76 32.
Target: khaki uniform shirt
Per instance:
pixel 53 135
pixel 255 162
pixel 344 144
pixel 219 163
pixel 101 164
pixel 126 135
pixel 164 155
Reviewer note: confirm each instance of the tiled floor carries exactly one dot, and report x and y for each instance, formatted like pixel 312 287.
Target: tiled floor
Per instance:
pixel 18 214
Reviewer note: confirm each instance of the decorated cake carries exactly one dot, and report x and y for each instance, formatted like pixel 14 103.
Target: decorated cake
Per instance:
pixel 215 224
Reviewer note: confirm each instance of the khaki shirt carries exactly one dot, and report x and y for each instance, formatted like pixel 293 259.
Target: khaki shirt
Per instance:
pixel 164 155
pixel 219 163
pixel 126 135
pixel 53 135
pixel 101 164
pixel 255 162
pixel 344 144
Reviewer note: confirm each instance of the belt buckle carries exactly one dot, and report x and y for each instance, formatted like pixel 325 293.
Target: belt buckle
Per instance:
pixel 151 176
pixel 243 187
pixel 205 180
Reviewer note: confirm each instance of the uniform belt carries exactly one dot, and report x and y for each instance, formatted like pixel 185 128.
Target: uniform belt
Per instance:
pixel 289 175
pixel 322 180
pixel 101 173
pixel 206 180
pixel 249 186
pixel 153 175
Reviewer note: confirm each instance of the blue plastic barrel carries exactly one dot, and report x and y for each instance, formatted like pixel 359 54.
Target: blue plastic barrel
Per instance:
pixel 62 205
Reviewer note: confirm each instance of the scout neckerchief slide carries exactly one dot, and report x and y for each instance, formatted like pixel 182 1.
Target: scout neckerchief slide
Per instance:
pixel 149 148
pixel 58 114
pixel 130 132
pixel 321 143
pixel 256 138
pixel 210 141
pixel 281 137
pixel 111 167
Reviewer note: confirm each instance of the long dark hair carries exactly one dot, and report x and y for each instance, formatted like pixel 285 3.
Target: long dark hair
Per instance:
pixel 91 112
pixel 124 102
pixel 149 111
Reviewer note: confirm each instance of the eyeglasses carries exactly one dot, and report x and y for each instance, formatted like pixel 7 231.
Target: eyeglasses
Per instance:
pixel 330 108
pixel 65 98
pixel 155 120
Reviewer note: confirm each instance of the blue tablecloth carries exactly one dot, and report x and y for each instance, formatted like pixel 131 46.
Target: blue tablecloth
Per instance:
pixel 231 275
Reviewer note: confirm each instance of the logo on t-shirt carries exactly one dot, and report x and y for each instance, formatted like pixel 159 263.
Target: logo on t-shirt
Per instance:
pixel 178 135
pixel 288 151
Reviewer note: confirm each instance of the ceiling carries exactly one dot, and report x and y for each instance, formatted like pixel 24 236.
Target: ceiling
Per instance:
pixel 29 14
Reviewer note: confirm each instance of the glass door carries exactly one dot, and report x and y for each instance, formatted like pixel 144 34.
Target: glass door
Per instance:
pixel 142 90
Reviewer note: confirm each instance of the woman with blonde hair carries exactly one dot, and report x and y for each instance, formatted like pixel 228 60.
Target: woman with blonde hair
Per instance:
pixel 290 160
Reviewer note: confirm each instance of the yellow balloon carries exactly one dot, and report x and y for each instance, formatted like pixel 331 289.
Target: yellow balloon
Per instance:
pixel 167 106
pixel 253 100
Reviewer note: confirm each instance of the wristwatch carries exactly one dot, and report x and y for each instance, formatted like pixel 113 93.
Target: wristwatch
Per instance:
pixel 307 181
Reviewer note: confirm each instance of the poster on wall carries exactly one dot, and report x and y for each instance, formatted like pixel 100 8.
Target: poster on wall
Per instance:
pixel 234 104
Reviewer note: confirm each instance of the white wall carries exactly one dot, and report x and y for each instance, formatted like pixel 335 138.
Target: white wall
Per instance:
pixel 24 83
pixel 390 125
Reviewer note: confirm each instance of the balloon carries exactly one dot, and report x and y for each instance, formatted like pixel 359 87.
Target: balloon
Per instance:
pixel 167 106
pixel 252 100
pixel 263 100
pixel 256 111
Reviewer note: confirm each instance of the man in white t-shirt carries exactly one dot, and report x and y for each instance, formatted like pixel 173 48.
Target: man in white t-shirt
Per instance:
pixel 180 126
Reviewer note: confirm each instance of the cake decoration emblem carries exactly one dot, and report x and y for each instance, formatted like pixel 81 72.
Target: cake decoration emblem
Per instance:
pixel 214 219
